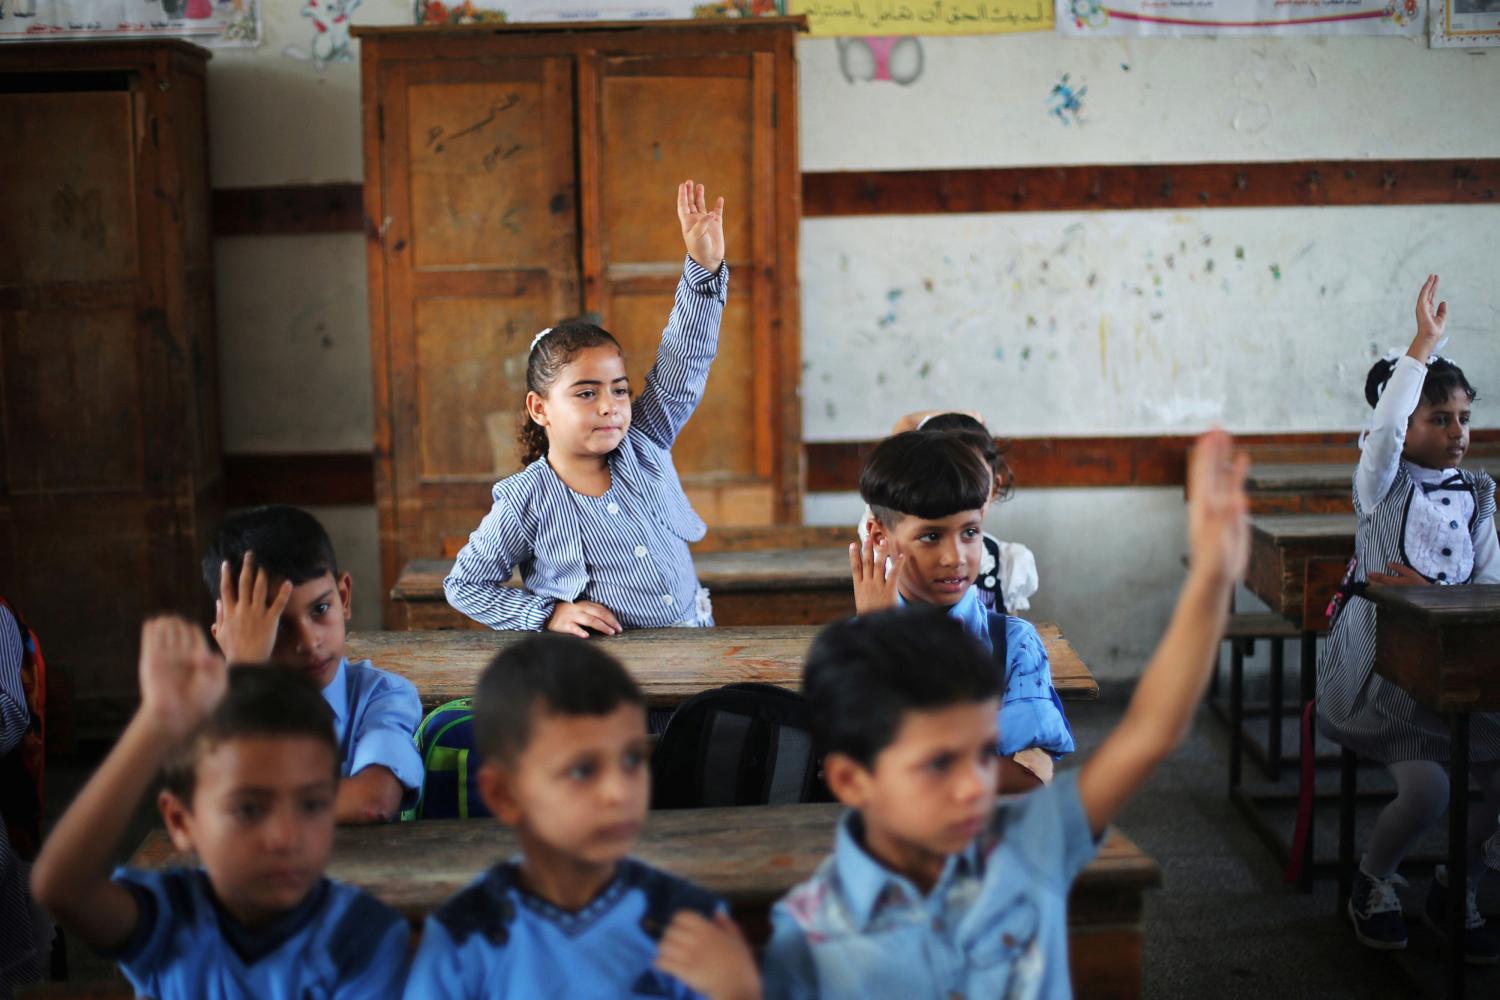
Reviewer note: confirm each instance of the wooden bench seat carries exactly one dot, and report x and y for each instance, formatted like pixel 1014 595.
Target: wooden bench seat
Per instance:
pixel 749 855
pixel 670 664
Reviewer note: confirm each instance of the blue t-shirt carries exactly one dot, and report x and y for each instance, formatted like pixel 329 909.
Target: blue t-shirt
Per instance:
pixel 338 942
pixel 495 939
pixel 995 924
pixel 1031 712
pixel 375 713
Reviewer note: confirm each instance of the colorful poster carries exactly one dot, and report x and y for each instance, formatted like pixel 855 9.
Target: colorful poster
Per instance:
pixel 1464 24
pixel 1241 17
pixel 206 22
pixel 923 17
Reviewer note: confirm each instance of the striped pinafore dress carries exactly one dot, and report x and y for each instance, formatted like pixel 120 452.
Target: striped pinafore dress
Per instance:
pixel 1428 519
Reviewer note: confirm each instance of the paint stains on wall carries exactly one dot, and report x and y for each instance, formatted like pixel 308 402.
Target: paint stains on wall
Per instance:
pixel 896 60
pixel 1065 102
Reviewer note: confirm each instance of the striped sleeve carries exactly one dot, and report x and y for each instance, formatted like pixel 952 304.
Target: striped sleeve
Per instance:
pixel 477 584
pixel 14 716
pixel 675 384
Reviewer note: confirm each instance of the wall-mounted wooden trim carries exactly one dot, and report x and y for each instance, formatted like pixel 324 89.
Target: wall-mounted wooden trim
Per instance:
pixel 1167 185
pixel 307 479
pixel 335 208
pixel 296 209
pixel 348 478
pixel 1140 460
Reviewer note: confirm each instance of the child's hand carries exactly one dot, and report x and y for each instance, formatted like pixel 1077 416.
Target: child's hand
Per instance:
pixel 702 230
pixel 1431 323
pixel 874 587
pixel 245 620
pixel 1399 576
pixel 1218 511
pixel 709 956
pixel 576 617
pixel 181 678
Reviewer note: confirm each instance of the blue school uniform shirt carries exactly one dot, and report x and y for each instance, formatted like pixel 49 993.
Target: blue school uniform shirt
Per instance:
pixel 1031 712
pixel 375 714
pixel 995 923
pixel 495 939
pixel 338 942
pixel 627 549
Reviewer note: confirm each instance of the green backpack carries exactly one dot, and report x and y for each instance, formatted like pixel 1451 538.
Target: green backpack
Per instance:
pixel 445 741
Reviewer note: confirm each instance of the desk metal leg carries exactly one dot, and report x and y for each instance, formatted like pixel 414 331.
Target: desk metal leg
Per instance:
pixel 1236 712
pixel 1348 776
pixel 1307 750
pixel 1458 849
pixel 1273 712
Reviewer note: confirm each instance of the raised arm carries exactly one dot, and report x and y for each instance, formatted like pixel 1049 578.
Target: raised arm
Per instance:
pixel 181 682
pixel 675 384
pixel 1380 454
pixel 1159 713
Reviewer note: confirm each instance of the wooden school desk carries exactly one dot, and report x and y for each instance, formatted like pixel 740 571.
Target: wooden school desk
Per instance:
pixel 750 855
pixel 1441 645
pixel 758 587
pixel 670 664
pixel 1296 564
pixel 1320 487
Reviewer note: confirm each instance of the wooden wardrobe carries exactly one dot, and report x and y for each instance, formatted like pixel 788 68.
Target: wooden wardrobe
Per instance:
pixel 515 176
pixel 110 471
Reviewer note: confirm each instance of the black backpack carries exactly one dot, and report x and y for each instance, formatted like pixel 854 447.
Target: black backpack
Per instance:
pixel 739 745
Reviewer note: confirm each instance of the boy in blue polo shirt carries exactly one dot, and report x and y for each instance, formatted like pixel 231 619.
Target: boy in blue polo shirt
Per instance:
pixel 562 729
pixel 933 889
pixel 928 492
pixel 300 623
pixel 250 767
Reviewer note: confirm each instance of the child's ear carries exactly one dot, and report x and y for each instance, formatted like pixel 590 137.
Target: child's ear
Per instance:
pixel 878 533
pixel 178 818
pixel 346 592
pixel 847 779
pixel 536 409
pixel 496 793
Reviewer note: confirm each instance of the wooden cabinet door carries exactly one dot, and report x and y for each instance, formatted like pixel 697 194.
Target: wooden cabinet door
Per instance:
pixel 477 227
pixel 650 117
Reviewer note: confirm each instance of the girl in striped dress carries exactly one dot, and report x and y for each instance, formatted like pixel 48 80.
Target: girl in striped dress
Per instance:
pixel 1422 521
pixel 597 521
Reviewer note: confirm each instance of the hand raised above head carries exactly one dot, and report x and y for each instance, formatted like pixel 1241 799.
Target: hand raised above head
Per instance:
pixel 247 615
pixel 1432 322
pixel 702 228
pixel 182 680
pixel 1218 509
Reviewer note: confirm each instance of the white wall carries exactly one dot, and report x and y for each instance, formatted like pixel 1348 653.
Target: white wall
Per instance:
pixel 1237 344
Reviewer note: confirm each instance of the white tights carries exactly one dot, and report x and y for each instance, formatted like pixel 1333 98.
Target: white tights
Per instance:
pixel 1421 799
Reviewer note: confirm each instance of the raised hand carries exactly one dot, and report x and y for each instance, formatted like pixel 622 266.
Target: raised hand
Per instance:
pixel 246 616
pixel 576 617
pixel 182 680
pixel 702 229
pixel 875 579
pixel 1218 510
pixel 1432 323
pixel 709 956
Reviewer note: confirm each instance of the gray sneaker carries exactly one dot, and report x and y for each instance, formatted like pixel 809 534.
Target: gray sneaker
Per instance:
pixel 1375 910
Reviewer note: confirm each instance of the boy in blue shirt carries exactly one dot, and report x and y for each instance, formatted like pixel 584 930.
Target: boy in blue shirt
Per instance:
pixel 934 890
pixel 249 770
pixel 928 492
pixel 562 729
pixel 300 623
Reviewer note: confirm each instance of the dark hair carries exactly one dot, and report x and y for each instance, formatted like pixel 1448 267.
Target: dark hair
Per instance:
pixel 966 428
pixel 552 673
pixel 288 542
pixel 1444 378
pixel 862 675
pixel 259 701
pixel 924 474
pixel 545 363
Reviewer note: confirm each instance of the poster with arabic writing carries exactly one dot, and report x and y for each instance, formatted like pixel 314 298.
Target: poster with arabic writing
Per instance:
pixel 1464 24
pixel 1241 17
pixel 206 22
pixel 923 17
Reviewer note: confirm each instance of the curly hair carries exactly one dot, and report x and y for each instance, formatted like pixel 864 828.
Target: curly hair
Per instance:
pixel 1444 378
pixel 543 366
